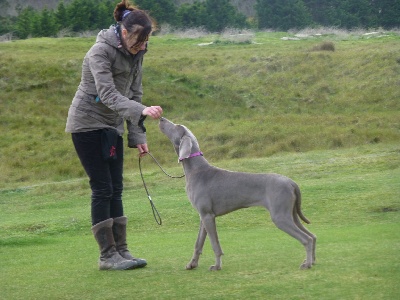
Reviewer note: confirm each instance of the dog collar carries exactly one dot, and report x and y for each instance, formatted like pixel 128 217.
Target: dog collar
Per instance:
pixel 192 155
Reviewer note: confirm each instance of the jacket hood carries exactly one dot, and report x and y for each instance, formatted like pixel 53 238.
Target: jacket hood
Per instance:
pixel 109 37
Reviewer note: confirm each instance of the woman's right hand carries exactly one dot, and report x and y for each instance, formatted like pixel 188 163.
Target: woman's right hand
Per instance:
pixel 154 112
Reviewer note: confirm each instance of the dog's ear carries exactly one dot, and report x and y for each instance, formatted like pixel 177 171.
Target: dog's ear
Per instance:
pixel 185 147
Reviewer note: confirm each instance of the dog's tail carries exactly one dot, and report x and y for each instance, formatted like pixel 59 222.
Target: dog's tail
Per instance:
pixel 298 204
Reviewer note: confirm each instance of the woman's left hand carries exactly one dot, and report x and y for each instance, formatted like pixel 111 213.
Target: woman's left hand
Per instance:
pixel 143 149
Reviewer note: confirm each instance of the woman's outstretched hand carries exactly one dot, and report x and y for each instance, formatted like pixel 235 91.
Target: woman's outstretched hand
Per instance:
pixel 154 112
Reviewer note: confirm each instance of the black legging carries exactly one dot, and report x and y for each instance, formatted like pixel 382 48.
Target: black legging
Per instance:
pixel 105 177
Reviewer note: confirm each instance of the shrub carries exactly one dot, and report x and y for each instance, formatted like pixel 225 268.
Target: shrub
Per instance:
pixel 325 46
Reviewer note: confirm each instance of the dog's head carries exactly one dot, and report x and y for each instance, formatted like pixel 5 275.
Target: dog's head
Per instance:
pixel 182 138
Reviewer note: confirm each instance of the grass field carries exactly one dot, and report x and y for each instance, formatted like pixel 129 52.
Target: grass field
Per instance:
pixel 327 119
pixel 351 196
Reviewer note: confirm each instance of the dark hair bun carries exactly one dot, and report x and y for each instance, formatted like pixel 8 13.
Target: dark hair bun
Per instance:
pixel 120 8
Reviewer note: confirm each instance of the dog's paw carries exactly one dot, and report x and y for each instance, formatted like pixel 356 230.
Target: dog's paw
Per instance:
pixel 215 268
pixel 305 265
pixel 191 265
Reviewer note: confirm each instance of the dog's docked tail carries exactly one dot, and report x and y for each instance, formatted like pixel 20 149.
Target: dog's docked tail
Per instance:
pixel 298 204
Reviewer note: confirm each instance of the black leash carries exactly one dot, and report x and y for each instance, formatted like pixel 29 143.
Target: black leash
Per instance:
pixel 156 214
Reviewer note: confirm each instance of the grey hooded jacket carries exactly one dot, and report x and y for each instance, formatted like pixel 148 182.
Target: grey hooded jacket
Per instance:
pixel 113 76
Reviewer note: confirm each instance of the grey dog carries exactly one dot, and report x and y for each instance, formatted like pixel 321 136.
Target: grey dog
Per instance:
pixel 215 192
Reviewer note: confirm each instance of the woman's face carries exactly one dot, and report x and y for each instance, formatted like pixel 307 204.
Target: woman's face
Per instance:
pixel 131 40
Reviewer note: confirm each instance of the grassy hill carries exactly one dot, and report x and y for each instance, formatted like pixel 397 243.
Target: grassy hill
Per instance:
pixel 327 119
pixel 240 99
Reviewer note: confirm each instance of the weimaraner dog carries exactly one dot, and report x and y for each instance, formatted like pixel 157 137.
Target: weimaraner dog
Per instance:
pixel 215 192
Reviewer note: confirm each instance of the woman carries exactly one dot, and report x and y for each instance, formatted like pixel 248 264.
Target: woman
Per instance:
pixel 110 92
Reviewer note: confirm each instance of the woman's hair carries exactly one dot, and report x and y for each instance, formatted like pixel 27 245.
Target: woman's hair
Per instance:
pixel 135 21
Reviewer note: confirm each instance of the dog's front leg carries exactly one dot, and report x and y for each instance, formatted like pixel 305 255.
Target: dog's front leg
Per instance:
pixel 198 248
pixel 211 228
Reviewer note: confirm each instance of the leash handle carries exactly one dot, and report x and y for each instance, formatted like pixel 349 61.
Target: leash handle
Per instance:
pixel 156 214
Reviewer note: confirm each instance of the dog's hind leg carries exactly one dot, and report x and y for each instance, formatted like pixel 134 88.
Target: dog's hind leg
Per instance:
pixel 286 223
pixel 198 248
pixel 211 228
pixel 301 226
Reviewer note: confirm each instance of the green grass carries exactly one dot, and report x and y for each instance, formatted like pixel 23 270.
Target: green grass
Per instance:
pixel 240 99
pixel 350 195
pixel 329 120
